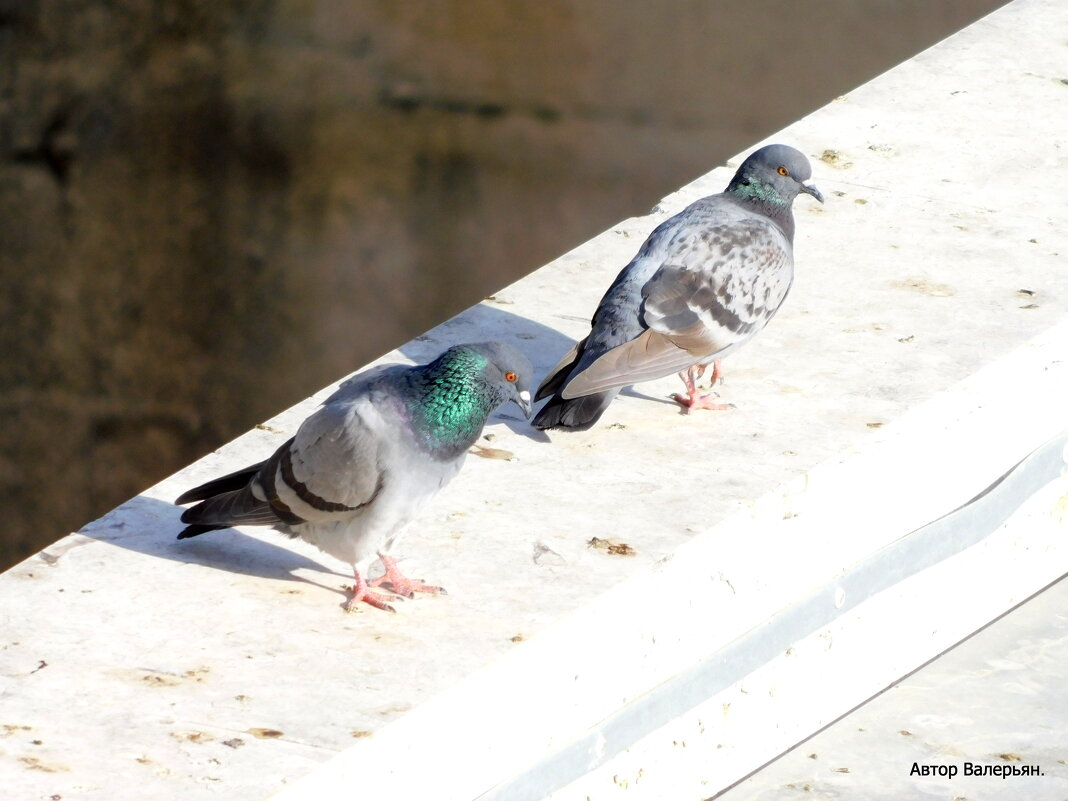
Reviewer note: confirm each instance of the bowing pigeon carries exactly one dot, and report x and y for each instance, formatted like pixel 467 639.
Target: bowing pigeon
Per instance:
pixel 357 470
pixel 703 283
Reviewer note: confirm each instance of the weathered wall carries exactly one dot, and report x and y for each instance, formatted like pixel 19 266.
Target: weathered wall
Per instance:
pixel 211 209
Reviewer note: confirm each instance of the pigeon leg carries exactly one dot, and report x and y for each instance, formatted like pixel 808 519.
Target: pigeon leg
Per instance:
pixel 395 582
pixel 361 593
pixel 693 400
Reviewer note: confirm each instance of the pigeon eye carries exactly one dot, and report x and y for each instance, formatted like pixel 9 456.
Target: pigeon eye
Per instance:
pixel 511 377
pixel 783 171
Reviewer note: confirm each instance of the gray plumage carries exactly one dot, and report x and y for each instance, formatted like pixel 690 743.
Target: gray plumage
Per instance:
pixel 703 283
pixel 358 469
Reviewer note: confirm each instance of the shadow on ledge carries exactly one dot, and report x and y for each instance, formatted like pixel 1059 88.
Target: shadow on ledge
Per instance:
pixel 150 526
pixel 544 346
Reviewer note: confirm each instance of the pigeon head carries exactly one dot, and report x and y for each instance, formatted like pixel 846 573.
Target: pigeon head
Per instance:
pixel 505 372
pixel 451 398
pixel 774 175
pixel 471 380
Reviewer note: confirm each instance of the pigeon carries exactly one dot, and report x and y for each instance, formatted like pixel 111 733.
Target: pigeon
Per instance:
pixel 358 469
pixel 702 284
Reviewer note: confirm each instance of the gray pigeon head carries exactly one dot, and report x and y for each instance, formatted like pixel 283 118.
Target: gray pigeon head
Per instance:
pixel 774 174
pixel 505 371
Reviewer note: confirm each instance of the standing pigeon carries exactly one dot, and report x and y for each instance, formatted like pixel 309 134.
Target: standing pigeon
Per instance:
pixel 703 283
pixel 360 467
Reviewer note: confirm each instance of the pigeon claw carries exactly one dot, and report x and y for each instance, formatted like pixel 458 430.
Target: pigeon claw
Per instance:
pixel 369 598
pixel 361 594
pixel 397 583
pixel 693 400
pixel 406 587
pixel 691 403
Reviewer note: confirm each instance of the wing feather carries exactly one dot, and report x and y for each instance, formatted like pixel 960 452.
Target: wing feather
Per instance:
pixel 650 356
pixel 718 285
pixel 332 468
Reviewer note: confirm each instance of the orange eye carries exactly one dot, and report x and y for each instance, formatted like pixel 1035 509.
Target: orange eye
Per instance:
pixel 783 171
pixel 511 377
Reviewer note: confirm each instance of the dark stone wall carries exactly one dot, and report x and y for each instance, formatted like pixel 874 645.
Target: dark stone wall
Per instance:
pixel 209 210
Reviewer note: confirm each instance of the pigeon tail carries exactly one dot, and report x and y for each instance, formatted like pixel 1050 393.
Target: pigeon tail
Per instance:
pixel 228 483
pixel 573 414
pixel 234 508
pixel 556 377
pixel 196 529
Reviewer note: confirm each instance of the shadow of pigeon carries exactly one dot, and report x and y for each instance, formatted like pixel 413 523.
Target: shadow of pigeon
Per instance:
pixel 150 526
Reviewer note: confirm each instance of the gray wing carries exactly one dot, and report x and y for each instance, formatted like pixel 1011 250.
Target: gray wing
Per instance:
pixel 617 319
pixel 329 470
pixel 333 467
pixel 725 275
pixel 366 383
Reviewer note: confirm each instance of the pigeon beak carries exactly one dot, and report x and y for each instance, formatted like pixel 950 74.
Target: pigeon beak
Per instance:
pixel 809 188
pixel 522 400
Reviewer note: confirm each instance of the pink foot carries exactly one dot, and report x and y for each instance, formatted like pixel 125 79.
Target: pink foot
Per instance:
pixel 362 594
pixel 393 581
pixel 693 400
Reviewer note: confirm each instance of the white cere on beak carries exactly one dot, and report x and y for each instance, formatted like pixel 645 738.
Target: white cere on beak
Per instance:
pixel 812 190
pixel 524 396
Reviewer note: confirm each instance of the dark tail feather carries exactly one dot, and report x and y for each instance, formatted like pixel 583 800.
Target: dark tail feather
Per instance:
pixel 235 508
pixel 554 381
pixel 196 529
pixel 571 415
pixel 227 483
pixel 574 414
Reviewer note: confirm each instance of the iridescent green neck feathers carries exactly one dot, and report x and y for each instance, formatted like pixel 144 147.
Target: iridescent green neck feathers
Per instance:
pixel 451 402
pixel 755 190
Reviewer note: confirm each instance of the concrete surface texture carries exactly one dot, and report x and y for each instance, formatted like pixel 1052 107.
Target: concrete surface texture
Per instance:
pixel 998 700
pixel 214 208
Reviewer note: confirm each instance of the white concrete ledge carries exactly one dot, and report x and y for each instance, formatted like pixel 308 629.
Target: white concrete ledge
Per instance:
pixel 791 557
